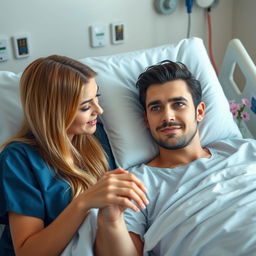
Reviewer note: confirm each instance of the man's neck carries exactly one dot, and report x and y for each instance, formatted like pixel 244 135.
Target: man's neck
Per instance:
pixel 174 158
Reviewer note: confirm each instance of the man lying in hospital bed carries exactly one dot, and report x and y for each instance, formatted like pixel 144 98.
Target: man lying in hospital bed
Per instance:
pixel 131 144
pixel 201 199
pixel 206 213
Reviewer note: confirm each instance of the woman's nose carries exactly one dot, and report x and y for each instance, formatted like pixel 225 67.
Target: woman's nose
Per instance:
pixel 97 108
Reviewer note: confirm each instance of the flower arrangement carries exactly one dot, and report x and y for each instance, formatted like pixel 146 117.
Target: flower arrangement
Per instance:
pixel 238 110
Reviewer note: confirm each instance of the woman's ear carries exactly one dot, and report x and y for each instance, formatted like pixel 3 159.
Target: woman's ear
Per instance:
pixel 200 111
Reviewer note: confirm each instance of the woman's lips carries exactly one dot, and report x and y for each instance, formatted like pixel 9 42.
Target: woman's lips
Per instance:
pixel 93 122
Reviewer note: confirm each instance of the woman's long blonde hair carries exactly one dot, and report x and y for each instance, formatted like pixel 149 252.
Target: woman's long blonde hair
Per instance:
pixel 50 90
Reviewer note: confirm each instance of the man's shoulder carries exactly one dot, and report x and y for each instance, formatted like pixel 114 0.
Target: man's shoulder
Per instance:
pixel 233 146
pixel 232 142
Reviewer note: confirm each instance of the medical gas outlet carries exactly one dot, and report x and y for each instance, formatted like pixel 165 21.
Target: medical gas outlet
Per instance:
pixel 165 6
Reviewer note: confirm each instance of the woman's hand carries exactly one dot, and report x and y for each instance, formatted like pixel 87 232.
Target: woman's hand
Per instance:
pixel 123 190
pixel 114 192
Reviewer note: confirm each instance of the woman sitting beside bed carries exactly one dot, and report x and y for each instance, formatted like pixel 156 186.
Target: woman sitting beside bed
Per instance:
pixel 54 170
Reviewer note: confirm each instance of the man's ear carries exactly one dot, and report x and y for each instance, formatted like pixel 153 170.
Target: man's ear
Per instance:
pixel 200 111
pixel 146 119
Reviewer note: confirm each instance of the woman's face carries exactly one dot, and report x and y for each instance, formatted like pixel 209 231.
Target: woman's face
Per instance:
pixel 89 108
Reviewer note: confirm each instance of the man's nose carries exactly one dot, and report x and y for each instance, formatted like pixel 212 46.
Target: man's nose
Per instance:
pixel 168 114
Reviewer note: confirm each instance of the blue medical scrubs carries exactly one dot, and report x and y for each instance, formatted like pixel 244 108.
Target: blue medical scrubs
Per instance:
pixel 28 186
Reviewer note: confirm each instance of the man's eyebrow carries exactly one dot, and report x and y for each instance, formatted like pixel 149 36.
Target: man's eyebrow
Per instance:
pixel 154 102
pixel 157 102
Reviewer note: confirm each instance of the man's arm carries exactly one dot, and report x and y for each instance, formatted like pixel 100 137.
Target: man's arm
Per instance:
pixel 113 238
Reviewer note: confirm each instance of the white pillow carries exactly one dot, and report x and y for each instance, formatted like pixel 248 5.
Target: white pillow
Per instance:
pixel 10 108
pixel 123 115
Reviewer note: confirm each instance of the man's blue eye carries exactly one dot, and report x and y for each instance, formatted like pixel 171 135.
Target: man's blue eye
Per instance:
pixel 155 108
pixel 179 104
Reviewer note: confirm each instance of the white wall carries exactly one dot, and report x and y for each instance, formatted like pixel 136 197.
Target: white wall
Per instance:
pixel 61 26
pixel 244 25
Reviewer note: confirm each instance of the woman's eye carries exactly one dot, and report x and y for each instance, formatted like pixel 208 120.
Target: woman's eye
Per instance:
pixel 85 109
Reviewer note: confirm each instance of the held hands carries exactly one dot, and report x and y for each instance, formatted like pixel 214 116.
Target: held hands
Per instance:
pixel 114 192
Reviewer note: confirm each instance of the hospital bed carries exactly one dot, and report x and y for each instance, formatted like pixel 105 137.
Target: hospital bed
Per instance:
pixel 121 129
pixel 236 54
pixel 123 119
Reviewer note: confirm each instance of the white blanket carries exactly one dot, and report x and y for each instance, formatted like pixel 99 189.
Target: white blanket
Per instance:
pixel 217 217
pixel 83 241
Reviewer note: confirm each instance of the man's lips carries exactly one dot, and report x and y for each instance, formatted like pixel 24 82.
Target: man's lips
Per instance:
pixel 169 126
pixel 170 129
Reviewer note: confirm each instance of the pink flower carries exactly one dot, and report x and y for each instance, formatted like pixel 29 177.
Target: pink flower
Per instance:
pixel 245 116
pixel 246 102
pixel 234 107
pixel 237 109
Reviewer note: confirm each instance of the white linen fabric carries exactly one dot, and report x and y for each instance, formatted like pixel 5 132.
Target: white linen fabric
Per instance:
pixel 207 207
pixel 10 108
pixel 83 241
pixel 123 116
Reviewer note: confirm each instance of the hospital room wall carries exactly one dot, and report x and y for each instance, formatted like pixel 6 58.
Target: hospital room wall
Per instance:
pixel 62 26
pixel 244 25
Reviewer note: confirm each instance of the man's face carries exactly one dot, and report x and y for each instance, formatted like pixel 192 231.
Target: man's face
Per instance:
pixel 171 115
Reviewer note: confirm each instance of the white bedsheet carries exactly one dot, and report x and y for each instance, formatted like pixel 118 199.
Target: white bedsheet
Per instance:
pixel 82 242
pixel 217 217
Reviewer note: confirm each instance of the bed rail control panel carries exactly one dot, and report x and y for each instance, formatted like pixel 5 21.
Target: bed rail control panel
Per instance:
pixel 21 46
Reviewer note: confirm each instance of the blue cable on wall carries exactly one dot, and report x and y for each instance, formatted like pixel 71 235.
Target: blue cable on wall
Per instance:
pixel 189 5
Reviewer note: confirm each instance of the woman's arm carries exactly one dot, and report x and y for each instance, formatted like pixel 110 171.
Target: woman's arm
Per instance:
pixel 113 237
pixel 30 237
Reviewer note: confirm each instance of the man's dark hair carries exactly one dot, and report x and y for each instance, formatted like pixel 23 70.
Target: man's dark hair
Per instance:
pixel 167 71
